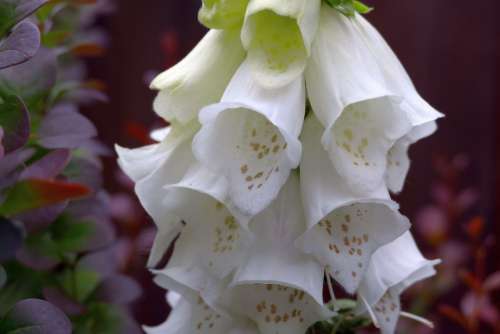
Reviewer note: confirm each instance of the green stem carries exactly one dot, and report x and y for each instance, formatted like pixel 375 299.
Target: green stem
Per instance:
pixel 337 325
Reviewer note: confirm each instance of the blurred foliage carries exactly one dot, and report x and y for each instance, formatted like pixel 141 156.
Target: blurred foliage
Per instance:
pixel 59 258
pixel 460 298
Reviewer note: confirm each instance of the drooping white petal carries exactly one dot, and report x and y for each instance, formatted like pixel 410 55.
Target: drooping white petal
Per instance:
pixel 193 317
pixel 387 311
pixel 396 77
pixel 152 168
pixel 200 78
pixel 276 309
pixel 212 238
pixel 397 263
pixel 398 162
pixel 173 298
pixel 345 229
pixel 278 35
pixel 160 134
pixel 393 268
pixel 140 162
pixel 273 258
pixel 211 244
pixel 251 138
pixel 365 105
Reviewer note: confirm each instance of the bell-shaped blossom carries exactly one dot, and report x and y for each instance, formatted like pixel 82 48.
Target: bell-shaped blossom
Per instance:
pixel 393 268
pixel 344 229
pixel 222 14
pixel 153 167
pixel 363 97
pixel 212 239
pixel 278 35
pixel 200 78
pixel 278 287
pixel 251 138
pixel 191 314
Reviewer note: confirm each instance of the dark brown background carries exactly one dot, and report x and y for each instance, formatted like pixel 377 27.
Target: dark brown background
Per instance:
pixel 451 48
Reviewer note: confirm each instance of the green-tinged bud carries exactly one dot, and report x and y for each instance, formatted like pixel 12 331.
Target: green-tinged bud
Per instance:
pixel 278 35
pixel 222 14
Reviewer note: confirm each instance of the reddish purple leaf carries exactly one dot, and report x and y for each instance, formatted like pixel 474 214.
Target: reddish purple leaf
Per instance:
pixel 118 289
pixel 103 235
pixel 35 316
pixel 104 262
pixel 34 258
pixel 25 8
pixel 64 302
pixel 84 172
pixel 39 219
pixel 49 166
pixel 492 282
pixel 64 127
pixel 86 96
pixel 20 46
pixel 10 162
pixel 96 206
pixel 11 238
pixel 36 75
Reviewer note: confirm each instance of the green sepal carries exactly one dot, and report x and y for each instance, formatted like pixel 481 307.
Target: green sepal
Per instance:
pixel 349 7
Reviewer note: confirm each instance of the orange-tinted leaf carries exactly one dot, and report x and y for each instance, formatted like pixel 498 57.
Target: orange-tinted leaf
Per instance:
pixel 35 193
pixel 453 314
pixel 88 50
pixel 475 227
pixel 472 281
pixel 95 84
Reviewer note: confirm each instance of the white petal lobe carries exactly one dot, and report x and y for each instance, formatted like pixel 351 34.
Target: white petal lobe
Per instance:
pixel 251 138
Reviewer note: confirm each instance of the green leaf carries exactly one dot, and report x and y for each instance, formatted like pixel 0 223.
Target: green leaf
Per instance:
pixel 361 7
pixel 15 122
pixel 7 15
pixel 70 236
pixel 100 318
pixel 22 283
pixel 79 283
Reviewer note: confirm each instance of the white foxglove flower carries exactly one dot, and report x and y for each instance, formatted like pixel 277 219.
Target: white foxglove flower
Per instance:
pixel 278 287
pixel 212 243
pixel 393 268
pixel 213 239
pixel 195 316
pixel 345 229
pixel 153 167
pixel 363 97
pixel 222 14
pixel 278 35
pixel 200 78
pixel 251 138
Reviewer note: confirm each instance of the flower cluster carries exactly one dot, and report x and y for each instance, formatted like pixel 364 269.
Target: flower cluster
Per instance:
pixel 289 125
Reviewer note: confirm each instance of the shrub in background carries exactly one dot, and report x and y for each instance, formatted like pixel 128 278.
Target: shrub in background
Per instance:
pixel 60 266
